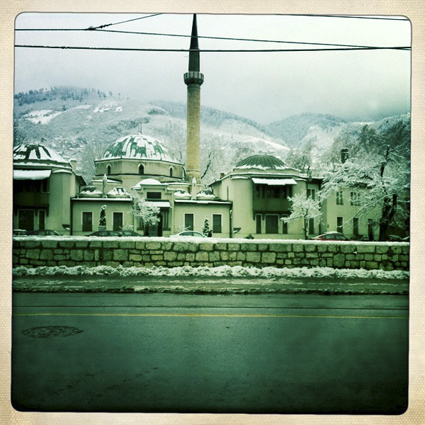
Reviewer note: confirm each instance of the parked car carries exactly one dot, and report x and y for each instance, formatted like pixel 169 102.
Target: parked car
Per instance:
pixel 129 233
pixel 103 233
pixel 394 238
pixel 364 238
pixel 44 232
pixel 190 233
pixel 330 236
pixel 19 232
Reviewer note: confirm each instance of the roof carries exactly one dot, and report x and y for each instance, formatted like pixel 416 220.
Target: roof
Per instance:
pixel 149 182
pixel 35 152
pixel 138 146
pixel 159 204
pixel 31 174
pixel 274 182
pixel 263 162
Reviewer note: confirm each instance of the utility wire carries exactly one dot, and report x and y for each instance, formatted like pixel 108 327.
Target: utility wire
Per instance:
pixel 378 18
pixel 208 37
pixel 122 22
pixel 134 49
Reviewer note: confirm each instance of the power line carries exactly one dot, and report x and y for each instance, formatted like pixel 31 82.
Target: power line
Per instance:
pixel 134 49
pixel 378 18
pixel 122 22
pixel 256 40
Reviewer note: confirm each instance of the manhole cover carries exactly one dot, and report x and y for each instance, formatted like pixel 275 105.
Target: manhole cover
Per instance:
pixel 51 331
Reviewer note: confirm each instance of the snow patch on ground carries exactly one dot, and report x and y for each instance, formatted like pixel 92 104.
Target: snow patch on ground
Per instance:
pixel 221 271
pixel 43 116
pixel 82 107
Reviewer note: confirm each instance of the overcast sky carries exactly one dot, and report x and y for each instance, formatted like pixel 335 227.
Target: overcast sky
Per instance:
pixel 265 87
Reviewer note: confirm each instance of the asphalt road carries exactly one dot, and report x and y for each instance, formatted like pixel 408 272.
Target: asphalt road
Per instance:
pixel 276 353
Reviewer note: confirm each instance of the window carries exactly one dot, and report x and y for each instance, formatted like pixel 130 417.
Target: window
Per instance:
pixel 258 224
pixel 188 221
pixel 216 221
pixel 257 191
pixel 117 218
pixel 87 221
pixel 355 226
pixel 171 172
pixel 45 185
pixel 288 192
pixel 165 220
pixel 311 226
pixel 108 169
pixel 339 198
pixel 272 224
pixel 339 224
pixel 141 169
pixel 311 193
pixel 153 195
pixel 272 192
pixel 41 219
pixel 26 219
pixel 355 199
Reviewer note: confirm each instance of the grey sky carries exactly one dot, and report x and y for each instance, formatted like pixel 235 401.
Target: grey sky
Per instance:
pixel 262 86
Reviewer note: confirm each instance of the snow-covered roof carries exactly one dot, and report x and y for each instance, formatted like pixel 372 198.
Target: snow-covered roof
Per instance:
pixel 159 204
pixel 274 182
pixel 118 192
pixel 34 152
pixel 31 174
pixel 192 201
pixel 149 182
pixel 90 192
pixel 138 146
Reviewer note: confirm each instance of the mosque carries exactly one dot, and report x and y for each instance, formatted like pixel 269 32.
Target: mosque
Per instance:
pixel 249 200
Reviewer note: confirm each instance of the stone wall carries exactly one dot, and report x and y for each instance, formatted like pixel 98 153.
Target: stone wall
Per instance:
pixel 129 252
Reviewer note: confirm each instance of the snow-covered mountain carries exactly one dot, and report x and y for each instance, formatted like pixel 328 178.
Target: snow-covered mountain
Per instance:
pixel 81 123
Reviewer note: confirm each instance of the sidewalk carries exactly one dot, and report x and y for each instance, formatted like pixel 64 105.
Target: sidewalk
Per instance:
pixel 208 285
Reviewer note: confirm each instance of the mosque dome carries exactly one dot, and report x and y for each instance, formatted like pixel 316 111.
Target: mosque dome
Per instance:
pixel 139 146
pixel 35 152
pixel 262 162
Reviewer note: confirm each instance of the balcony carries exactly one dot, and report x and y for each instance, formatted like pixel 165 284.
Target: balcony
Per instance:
pixel 31 199
pixel 274 205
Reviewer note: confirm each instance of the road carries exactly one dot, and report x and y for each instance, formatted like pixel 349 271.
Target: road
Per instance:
pixel 276 353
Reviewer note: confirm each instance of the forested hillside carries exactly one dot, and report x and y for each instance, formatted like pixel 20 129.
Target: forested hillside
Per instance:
pixel 82 122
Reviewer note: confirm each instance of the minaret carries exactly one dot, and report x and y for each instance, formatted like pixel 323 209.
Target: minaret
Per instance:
pixel 194 79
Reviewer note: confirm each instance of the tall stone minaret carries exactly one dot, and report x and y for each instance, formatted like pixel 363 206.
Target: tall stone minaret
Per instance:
pixel 194 79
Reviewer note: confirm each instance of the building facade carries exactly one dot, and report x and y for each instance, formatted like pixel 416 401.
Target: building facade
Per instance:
pixel 43 184
pixel 138 171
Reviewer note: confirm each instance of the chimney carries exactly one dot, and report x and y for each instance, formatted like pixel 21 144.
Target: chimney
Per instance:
pixel 344 155
pixel 194 79
pixel 73 163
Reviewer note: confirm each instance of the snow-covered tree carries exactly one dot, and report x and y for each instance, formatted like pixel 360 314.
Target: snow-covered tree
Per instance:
pixel 206 227
pixel 384 183
pixel 304 208
pixel 145 212
pixel 301 158
pixel 102 217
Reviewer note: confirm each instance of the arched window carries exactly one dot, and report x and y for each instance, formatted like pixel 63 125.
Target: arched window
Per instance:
pixel 171 171
pixel 108 169
pixel 141 169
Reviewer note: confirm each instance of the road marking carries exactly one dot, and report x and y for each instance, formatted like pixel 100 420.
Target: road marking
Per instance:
pixel 208 315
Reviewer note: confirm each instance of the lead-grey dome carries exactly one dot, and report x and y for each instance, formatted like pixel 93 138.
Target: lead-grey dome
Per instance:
pixel 138 146
pixel 263 162
pixel 35 152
